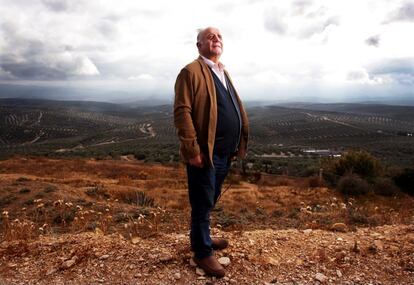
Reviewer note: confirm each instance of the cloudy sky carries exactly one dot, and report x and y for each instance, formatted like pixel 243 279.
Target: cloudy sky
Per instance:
pixel 274 50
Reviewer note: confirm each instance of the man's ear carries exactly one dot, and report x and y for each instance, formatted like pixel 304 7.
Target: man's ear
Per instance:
pixel 198 44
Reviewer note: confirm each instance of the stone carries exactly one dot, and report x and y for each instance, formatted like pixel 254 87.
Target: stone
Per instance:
pixel 271 260
pixel 177 276
pixel 307 231
pixel 225 261
pixel 200 271
pixel 135 240
pixel 51 271
pixel 69 263
pixel 165 257
pixel 192 263
pixel 379 244
pixel 338 273
pixel 321 278
pixel 339 227
pixel 103 257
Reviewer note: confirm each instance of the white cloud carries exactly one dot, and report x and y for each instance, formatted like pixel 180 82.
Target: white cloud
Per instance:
pixel 268 45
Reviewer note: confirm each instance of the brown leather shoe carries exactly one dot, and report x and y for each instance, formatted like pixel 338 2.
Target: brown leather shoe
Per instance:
pixel 211 266
pixel 219 244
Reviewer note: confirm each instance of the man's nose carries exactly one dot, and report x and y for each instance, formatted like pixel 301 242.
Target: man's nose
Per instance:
pixel 216 38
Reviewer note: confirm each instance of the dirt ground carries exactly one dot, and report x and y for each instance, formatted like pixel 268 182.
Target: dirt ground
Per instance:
pixel 125 222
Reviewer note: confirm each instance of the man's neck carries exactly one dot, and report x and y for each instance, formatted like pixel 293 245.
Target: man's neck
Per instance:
pixel 214 59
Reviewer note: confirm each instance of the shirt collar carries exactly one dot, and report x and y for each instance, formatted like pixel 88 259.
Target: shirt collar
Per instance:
pixel 218 66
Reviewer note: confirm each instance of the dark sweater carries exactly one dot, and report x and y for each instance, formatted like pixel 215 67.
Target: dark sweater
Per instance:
pixel 228 119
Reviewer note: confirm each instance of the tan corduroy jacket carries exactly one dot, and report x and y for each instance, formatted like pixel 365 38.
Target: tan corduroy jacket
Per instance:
pixel 195 112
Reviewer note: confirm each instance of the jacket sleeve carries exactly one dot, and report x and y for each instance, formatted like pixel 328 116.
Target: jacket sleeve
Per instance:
pixel 184 96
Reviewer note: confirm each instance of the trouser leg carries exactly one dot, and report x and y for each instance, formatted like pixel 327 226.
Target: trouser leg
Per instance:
pixel 204 187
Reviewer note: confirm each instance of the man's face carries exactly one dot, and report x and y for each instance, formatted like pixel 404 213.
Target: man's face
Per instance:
pixel 211 43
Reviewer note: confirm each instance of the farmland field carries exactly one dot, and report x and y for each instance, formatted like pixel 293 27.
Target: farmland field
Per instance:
pixel 280 135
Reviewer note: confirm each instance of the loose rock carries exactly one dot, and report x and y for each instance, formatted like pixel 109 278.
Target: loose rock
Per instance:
pixel 200 271
pixel 321 278
pixel 225 261
pixel 339 227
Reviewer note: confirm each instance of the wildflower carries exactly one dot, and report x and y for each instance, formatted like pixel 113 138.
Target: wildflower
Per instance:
pixel 5 213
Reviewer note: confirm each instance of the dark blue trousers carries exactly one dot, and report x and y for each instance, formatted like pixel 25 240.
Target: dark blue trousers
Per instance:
pixel 204 188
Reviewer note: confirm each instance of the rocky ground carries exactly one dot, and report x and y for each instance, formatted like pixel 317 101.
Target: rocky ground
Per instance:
pixel 126 222
pixel 381 255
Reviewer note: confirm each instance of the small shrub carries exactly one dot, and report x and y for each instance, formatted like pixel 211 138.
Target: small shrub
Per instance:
pixel 7 200
pixel 352 185
pixel 294 213
pixel 405 181
pixel 24 191
pixel 144 201
pixel 39 195
pixel 50 189
pixel 29 202
pixel 22 179
pixel 361 163
pixel 135 197
pixel 97 191
pixel 385 187
pixel 315 182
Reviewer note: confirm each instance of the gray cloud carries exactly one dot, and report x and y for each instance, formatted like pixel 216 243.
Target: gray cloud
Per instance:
pixel 318 26
pixel 274 21
pixel 356 75
pixel 308 20
pixel 404 13
pixel 400 70
pixel 57 5
pixel 25 57
pixel 373 41
pixel 299 7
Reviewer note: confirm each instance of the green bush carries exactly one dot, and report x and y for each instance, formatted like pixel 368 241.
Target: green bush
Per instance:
pixel 405 181
pixel 385 187
pixel 352 185
pixel 360 162
pixel 24 191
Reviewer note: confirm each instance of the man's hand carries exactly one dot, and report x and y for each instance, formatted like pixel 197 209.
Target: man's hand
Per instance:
pixel 197 161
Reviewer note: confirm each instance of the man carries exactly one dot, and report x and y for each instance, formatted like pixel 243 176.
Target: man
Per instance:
pixel 212 127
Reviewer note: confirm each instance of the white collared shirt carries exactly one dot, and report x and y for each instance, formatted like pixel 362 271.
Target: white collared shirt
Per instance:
pixel 218 69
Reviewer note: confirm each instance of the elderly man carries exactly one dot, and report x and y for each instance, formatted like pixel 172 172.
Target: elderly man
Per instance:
pixel 212 127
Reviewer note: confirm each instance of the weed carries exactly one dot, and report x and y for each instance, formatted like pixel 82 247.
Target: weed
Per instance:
pixel 24 191
pixel 50 189
pixel 22 179
pixel 97 191
pixel 7 200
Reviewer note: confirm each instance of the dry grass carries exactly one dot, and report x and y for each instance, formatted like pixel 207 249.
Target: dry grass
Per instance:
pixel 43 196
